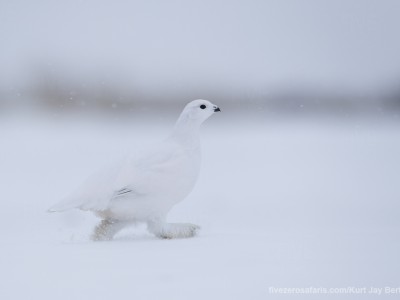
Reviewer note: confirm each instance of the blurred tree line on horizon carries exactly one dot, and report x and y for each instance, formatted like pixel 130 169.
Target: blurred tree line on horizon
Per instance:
pixel 57 93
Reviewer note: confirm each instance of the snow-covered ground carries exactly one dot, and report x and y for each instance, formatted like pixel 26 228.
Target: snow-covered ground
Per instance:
pixel 281 204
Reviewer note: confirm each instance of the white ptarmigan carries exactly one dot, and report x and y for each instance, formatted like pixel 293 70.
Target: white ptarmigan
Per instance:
pixel 146 187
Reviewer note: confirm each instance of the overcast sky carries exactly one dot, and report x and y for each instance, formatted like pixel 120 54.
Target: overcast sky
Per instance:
pixel 351 43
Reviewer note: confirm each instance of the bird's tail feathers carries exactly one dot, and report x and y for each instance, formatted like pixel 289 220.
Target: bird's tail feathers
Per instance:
pixel 67 204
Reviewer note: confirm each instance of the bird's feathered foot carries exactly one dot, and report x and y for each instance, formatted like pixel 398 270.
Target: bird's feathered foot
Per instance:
pixel 106 230
pixel 173 230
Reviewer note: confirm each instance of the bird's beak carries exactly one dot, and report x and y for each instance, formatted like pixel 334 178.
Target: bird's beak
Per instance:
pixel 216 109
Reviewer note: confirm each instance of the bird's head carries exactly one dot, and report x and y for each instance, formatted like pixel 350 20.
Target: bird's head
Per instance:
pixel 199 110
pixel 192 116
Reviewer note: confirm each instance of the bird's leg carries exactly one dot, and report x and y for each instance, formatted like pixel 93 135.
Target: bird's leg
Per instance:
pixel 106 230
pixel 165 230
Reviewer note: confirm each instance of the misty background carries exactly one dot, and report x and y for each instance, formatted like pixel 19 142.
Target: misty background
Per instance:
pixel 279 57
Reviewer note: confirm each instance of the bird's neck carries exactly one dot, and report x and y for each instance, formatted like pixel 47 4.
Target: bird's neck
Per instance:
pixel 186 131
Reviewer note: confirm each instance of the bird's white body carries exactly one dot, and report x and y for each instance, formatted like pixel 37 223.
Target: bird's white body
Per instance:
pixel 144 188
pixel 158 181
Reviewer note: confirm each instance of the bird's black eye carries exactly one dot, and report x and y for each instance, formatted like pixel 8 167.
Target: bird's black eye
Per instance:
pixel 203 106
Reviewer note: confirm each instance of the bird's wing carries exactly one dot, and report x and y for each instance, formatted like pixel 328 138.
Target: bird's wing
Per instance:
pixel 122 192
pixel 137 171
pixel 148 174
pixel 133 177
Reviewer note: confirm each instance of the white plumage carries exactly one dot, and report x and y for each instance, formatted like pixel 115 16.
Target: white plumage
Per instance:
pixel 145 188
